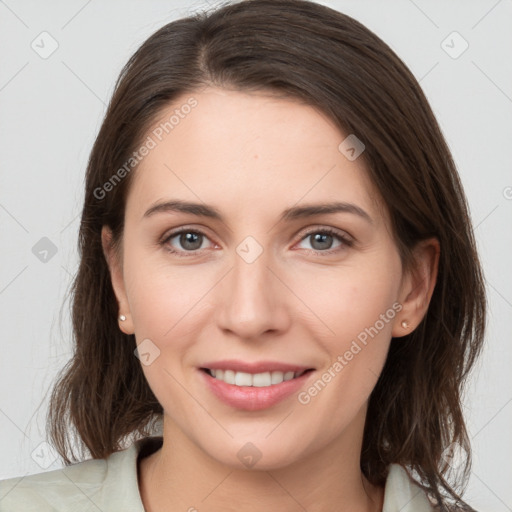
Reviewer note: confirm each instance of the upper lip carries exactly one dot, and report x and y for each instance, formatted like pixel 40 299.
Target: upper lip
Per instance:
pixel 254 367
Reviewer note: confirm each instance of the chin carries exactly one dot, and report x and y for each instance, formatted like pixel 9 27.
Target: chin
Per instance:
pixel 255 453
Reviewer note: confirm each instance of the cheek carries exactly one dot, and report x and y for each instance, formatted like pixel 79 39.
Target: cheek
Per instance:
pixel 164 300
pixel 167 304
pixel 346 300
pixel 354 310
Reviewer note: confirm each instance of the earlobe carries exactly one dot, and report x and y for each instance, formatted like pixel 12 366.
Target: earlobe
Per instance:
pixel 417 287
pixel 125 324
pixel 117 279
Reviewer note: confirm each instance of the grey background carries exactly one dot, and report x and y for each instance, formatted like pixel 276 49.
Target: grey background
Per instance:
pixel 51 109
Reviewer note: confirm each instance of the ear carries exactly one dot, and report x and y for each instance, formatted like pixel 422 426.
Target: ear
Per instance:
pixel 116 275
pixel 417 286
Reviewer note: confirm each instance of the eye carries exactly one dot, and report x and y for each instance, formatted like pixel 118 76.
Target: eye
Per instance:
pixel 188 240
pixel 322 240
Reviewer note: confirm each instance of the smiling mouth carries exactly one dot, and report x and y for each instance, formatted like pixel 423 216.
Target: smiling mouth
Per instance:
pixel 244 379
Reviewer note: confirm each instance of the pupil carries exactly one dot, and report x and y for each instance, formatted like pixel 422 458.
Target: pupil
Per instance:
pixel 320 237
pixel 190 238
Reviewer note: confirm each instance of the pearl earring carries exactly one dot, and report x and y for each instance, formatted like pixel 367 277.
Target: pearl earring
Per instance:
pixel 404 324
pixel 122 318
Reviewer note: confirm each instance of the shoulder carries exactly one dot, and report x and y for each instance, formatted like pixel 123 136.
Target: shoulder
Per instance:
pixel 53 490
pixel 402 494
pixel 92 485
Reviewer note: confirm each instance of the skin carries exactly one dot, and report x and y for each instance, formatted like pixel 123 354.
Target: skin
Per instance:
pixel 252 156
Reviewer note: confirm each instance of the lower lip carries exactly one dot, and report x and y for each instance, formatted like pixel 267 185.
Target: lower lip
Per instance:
pixel 251 398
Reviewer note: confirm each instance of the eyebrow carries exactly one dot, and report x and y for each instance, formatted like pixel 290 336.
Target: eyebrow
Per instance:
pixel 293 213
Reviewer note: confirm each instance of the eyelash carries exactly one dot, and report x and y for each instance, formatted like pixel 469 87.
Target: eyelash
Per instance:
pixel 347 242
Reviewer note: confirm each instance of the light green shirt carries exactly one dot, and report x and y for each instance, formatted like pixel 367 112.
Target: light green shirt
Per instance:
pixel 110 485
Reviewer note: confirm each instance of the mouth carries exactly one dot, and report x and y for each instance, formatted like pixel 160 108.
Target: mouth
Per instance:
pixel 259 380
pixel 256 390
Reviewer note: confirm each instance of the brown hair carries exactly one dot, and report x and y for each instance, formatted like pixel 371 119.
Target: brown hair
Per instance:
pixel 316 55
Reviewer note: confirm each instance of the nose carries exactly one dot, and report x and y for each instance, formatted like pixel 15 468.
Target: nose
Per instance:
pixel 252 300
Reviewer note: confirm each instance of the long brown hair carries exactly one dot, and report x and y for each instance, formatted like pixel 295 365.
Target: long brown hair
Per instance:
pixel 316 55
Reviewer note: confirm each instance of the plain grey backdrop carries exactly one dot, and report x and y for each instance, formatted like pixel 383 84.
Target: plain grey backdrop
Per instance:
pixel 59 62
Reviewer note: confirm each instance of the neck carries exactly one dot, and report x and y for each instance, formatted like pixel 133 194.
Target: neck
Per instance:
pixel 181 476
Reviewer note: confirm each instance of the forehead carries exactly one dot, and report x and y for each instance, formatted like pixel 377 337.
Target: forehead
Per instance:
pixel 247 151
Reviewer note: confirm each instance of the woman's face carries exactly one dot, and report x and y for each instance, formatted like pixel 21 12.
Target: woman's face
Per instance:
pixel 257 277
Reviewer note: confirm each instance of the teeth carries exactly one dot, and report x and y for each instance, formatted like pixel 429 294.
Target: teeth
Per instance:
pixel 258 380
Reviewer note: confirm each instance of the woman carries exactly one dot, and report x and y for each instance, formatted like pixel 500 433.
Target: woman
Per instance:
pixel 278 270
